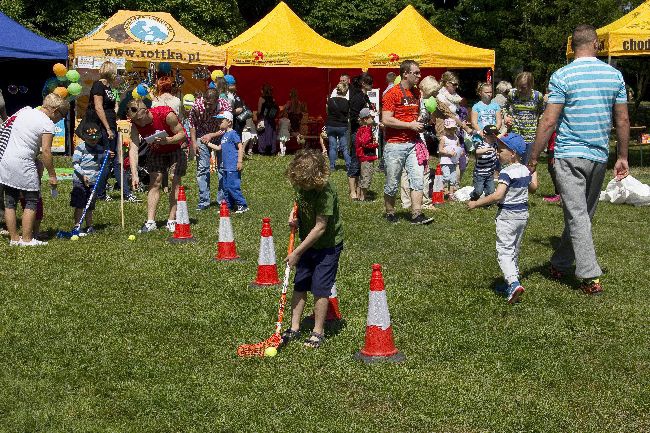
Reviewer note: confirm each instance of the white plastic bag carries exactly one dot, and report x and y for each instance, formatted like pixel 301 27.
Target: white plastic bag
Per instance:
pixel 627 191
pixel 464 193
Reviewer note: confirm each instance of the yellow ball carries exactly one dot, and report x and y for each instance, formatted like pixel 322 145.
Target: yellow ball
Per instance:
pixel 270 351
pixel 131 237
pixel 74 238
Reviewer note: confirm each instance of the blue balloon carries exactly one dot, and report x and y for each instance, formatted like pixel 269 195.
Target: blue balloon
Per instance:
pixel 212 85
pixel 142 90
pixel 165 68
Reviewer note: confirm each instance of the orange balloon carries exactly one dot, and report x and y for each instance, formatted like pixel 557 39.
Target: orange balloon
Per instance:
pixel 59 69
pixel 61 91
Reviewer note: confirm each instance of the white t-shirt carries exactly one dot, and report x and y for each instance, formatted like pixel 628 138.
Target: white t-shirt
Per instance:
pixel 18 165
pixel 284 128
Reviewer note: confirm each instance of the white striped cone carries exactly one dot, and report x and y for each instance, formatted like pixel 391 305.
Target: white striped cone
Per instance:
pixel 379 344
pixel 226 248
pixel 437 194
pixel 182 232
pixel 267 270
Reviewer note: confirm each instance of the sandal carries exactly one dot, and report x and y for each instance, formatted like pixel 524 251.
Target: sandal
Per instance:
pixel 289 335
pixel 315 340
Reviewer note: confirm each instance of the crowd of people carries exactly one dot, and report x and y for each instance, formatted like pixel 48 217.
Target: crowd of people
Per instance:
pixel 418 118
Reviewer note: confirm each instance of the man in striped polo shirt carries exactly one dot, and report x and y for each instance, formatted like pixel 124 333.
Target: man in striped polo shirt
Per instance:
pixel 582 97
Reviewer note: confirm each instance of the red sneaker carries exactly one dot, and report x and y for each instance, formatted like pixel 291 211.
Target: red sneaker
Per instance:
pixel 591 287
pixel 552 199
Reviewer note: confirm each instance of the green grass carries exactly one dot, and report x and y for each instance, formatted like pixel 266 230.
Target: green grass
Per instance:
pixel 109 335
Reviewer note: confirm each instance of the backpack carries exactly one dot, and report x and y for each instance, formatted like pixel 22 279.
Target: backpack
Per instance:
pixel 5 133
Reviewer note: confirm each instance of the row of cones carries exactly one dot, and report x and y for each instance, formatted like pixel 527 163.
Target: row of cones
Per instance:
pixel 379 344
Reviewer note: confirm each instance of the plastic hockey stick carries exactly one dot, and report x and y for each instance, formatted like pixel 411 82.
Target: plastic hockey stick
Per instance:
pixel 257 349
pixel 75 230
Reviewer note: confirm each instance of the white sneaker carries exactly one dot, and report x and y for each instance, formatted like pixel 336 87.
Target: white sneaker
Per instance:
pixel 33 243
pixel 171 226
pixel 148 227
pixel 15 243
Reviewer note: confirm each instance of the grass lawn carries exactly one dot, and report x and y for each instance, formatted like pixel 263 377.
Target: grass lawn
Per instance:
pixel 108 335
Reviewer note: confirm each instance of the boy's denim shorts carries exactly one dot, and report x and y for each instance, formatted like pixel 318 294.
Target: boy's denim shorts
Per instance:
pixel 316 271
pixel 79 196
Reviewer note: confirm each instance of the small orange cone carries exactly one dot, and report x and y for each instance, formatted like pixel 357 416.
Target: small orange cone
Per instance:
pixel 226 248
pixel 438 194
pixel 379 345
pixel 182 233
pixel 267 270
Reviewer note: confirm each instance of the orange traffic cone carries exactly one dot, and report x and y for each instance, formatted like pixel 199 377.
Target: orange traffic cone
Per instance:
pixel 379 345
pixel 438 194
pixel 182 233
pixel 267 271
pixel 226 248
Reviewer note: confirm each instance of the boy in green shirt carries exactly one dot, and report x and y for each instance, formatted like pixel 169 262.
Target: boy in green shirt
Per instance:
pixel 321 234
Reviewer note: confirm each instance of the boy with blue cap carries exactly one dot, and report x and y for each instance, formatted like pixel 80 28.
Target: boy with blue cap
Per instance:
pixel 231 162
pixel 511 195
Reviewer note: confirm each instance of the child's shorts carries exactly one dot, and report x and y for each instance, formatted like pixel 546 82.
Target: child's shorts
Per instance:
pixel 316 271
pixel 449 175
pixel 79 196
pixel 367 170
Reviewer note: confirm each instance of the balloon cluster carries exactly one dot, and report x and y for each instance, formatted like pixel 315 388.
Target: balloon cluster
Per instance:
pixel 65 83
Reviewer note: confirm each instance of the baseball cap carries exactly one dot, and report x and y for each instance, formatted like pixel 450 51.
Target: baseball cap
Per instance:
pixel 365 112
pixel 490 130
pixel 224 115
pixel 230 80
pixel 514 142
pixel 188 100
pixel 450 123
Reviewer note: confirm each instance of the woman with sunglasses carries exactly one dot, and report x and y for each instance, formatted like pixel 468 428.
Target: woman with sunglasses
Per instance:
pixel 32 132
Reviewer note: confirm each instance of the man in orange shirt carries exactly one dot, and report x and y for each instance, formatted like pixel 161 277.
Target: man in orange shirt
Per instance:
pixel 400 111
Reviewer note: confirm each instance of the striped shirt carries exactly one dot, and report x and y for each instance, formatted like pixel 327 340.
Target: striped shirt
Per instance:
pixel 517 178
pixel 86 161
pixel 486 162
pixel 588 88
pixel 525 113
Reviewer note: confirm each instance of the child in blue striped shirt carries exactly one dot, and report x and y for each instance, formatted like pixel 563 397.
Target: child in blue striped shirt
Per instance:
pixel 86 161
pixel 514 184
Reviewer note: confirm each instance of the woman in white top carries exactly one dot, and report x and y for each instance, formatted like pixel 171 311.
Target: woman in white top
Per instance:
pixel 32 131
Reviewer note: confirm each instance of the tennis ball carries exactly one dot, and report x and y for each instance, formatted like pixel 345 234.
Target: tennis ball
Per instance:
pixel 74 238
pixel 270 351
pixel 131 237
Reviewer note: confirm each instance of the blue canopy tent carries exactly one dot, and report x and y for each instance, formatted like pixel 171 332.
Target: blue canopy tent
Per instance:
pixel 16 42
pixel 26 61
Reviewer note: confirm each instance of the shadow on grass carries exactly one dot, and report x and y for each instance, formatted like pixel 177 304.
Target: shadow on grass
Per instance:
pixel 332 327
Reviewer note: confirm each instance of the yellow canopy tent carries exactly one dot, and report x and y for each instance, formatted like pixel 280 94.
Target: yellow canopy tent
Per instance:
pixel 627 36
pixel 281 38
pixel 410 36
pixel 146 37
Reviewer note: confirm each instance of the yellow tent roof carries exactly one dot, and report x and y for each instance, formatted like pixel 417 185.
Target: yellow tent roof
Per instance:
pixel 627 36
pixel 281 38
pixel 147 37
pixel 410 36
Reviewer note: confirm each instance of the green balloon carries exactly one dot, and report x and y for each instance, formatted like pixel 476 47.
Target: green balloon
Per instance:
pixel 72 76
pixel 431 104
pixel 74 89
pixel 62 78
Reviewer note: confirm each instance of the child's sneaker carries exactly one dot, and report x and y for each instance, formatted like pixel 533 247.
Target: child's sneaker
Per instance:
pixel 391 218
pixel 108 198
pixel 421 220
pixel 33 243
pixel 591 286
pixel 131 198
pixel 555 273
pixel 89 231
pixel 15 243
pixel 552 199
pixel 514 292
pixel 149 226
pixel 171 226
pixel 241 209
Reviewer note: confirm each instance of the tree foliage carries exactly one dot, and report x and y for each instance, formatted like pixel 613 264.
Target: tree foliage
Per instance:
pixel 526 34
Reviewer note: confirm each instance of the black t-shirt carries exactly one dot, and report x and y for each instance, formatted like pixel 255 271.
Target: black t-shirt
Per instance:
pixel 338 110
pixel 108 101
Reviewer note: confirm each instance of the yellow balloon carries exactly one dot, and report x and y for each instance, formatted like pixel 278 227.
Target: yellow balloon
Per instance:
pixel 217 73
pixel 135 94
